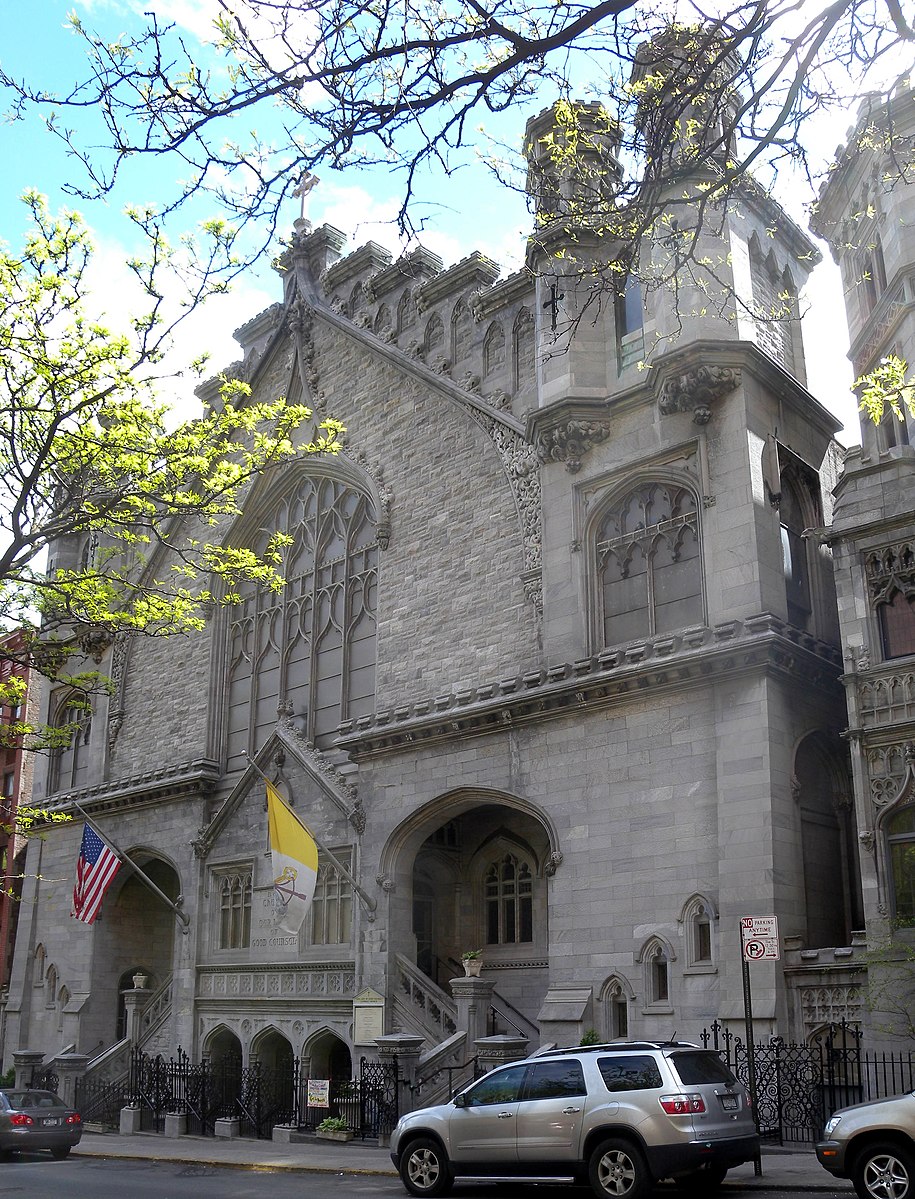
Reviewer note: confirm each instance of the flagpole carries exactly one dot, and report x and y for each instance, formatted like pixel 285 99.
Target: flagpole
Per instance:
pixel 368 900
pixel 131 865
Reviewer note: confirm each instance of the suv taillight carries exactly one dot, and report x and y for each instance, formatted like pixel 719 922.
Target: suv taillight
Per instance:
pixel 682 1105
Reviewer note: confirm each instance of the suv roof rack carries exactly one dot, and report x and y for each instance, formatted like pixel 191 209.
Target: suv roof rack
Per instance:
pixel 611 1046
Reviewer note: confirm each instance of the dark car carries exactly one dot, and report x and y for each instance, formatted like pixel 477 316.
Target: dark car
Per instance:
pixel 31 1119
pixel 873 1144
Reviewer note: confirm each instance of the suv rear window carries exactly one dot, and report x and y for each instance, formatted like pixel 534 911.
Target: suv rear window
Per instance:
pixel 701 1065
pixel 629 1072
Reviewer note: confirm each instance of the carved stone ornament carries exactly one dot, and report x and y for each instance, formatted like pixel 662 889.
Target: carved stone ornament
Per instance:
pixel 553 863
pixel 867 840
pixel 357 817
pixel 385 882
pixel 696 390
pixel 569 442
pixel 519 461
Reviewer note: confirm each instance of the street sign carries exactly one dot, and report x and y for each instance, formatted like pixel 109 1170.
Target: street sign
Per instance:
pixel 759 938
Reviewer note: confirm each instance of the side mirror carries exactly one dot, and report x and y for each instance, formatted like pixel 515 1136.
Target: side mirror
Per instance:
pixel 460 1100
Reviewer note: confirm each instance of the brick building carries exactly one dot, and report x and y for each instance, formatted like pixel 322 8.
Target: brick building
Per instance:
pixel 556 674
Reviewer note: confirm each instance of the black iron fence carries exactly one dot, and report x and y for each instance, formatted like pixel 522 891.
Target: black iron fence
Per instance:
pixel 258 1096
pixel 799 1086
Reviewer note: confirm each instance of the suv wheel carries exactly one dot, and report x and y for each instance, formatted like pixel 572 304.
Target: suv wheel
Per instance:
pixel 617 1169
pixel 885 1172
pixel 424 1168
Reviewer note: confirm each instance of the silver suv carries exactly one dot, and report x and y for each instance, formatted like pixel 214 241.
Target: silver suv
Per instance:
pixel 873 1144
pixel 620 1116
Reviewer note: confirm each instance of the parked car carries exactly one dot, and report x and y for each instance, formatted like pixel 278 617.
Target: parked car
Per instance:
pixel 620 1116
pixel 31 1119
pixel 873 1144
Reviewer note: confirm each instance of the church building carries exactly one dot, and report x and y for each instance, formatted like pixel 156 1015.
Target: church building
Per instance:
pixel 556 674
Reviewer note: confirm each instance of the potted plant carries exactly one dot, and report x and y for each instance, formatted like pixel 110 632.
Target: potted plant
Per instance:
pixel 473 962
pixel 333 1128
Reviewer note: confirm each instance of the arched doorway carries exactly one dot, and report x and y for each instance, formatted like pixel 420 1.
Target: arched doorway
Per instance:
pixel 828 844
pixel 327 1056
pixel 471 871
pixel 136 927
pixel 222 1050
pixel 273 1059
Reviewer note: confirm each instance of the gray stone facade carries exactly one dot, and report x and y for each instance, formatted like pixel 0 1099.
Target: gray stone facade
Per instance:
pixel 867 212
pixel 604 675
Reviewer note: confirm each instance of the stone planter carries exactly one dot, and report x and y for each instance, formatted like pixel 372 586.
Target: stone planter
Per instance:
pixel 333 1135
pixel 472 967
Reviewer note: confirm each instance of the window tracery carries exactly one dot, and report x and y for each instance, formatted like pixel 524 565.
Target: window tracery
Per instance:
pixel 235 909
pixel 508 889
pixel 648 563
pixel 890 574
pixel 312 645
pixel 332 905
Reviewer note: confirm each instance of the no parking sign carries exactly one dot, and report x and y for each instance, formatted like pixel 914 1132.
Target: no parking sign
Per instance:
pixel 759 938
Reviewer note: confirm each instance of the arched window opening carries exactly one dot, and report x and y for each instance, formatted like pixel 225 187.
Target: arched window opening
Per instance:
pixel 493 349
pixel 435 333
pixel 332 905
pixel 406 311
pixel 648 564
pixel 508 902
pixel 523 349
pixel 616 1010
pixel 313 644
pixel 897 626
pixel 900 839
pixel 461 331
pixel 235 910
pixel 658 975
pixel 795 518
pixel 69 761
pixel 699 922
pixel 630 323
pixel 828 841
pixel 776 309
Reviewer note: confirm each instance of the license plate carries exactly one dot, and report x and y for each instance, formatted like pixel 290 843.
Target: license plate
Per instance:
pixel 50 1121
pixel 729 1103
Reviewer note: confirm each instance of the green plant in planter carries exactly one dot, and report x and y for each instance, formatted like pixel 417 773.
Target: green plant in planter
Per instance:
pixel 471 955
pixel 589 1037
pixel 333 1124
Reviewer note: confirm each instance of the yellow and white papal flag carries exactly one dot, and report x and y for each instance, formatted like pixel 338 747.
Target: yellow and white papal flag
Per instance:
pixel 295 862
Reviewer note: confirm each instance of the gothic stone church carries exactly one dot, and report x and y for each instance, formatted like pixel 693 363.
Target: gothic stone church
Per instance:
pixel 556 675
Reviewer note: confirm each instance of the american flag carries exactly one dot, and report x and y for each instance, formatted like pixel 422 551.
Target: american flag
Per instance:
pixel 95 873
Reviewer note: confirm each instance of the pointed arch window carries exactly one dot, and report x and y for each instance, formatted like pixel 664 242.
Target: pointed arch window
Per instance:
pixel 332 905
pixel 523 349
pixel 68 766
pixel 461 331
pixel 656 963
pixel 313 644
pixel 508 889
pixel 234 909
pixel 890 573
pixel 630 323
pixel 900 838
pixel 648 563
pixel 616 1000
pixel 698 926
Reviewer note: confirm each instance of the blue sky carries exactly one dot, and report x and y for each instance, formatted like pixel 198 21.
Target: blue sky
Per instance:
pixel 475 215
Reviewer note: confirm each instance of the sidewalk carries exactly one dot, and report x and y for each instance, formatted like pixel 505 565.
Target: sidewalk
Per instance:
pixel 783 1170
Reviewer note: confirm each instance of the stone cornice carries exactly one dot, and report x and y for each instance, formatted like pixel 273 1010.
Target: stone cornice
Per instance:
pixel 419 264
pixel 367 260
pixel 469 274
pixel 168 783
pixel 700 655
pixel 516 287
